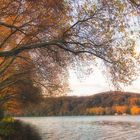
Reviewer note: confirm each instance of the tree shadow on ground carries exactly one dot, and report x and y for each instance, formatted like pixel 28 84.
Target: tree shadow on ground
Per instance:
pixel 18 130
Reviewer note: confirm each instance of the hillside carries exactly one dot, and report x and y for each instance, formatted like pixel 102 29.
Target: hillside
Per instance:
pixel 108 103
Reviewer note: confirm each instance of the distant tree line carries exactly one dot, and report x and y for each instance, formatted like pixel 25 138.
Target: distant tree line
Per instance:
pixel 109 103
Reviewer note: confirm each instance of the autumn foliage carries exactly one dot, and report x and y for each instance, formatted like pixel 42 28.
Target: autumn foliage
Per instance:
pixel 109 103
pixel 40 40
pixel 135 110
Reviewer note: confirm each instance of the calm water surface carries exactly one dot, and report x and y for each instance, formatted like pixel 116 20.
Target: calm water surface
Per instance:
pixel 87 127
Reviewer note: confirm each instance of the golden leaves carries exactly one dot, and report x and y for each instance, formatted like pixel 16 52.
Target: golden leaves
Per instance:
pixel 122 28
pixel 135 110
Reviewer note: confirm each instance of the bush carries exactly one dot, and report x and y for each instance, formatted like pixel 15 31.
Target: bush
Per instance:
pixel 1 114
pixel 17 130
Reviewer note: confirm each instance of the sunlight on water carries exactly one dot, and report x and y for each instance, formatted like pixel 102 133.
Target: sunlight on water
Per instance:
pixel 87 127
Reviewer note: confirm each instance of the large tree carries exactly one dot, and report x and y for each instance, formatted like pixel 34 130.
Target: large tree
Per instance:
pixel 56 35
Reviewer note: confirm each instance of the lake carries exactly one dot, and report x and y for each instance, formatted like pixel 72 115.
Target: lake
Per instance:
pixel 87 127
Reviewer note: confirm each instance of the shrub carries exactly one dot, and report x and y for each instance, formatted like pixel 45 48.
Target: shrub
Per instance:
pixel 17 130
pixel 1 114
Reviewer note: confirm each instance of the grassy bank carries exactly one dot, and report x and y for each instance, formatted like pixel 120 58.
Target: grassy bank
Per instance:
pixel 11 129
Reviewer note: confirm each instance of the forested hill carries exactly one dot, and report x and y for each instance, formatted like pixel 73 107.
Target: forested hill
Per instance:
pixel 108 103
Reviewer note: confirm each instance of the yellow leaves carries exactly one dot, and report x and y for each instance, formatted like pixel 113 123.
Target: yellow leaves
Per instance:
pixel 135 2
pixel 121 7
pixel 134 13
pixel 94 7
pixel 122 28
pixel 108 110
pixel 120 109
pixel 96 110
pixel 8 119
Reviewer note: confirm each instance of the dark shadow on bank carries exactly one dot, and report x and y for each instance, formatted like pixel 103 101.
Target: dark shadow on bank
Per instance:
pixel 18 130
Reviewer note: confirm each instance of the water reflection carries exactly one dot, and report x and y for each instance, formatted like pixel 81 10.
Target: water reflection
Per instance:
pixel 88 127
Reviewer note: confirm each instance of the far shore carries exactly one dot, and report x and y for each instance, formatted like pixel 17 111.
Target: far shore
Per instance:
pixel 75 116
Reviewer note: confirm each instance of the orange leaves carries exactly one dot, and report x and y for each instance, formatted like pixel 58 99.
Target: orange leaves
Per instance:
pixel 33 21
pixel 120 109
pixel 135 110
pixel 13 107
pixel 96 110
pixel 134 101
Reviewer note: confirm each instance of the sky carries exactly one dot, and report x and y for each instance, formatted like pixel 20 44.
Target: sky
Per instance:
pixel 93 83
pixel 97 82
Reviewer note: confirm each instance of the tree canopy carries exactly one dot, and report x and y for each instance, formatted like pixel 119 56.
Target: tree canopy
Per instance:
pixel 41 40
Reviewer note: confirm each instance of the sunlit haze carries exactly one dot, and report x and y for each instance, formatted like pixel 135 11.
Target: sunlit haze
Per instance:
pixel 97 82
